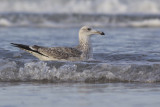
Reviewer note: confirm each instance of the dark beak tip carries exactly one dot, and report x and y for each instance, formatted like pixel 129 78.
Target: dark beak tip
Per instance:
pixel 102 33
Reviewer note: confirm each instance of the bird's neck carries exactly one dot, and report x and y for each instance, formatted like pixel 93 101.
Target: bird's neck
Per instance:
pixel 85 46
pixel 84 41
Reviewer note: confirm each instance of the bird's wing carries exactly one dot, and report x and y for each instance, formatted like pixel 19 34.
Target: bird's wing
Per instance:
pixel 54 52
pixel 58 52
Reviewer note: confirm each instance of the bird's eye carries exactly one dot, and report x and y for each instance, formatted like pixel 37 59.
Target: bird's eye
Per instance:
pixel 88 29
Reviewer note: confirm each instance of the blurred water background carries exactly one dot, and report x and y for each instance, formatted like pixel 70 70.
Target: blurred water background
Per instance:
pixel 126 69
pixel 67 13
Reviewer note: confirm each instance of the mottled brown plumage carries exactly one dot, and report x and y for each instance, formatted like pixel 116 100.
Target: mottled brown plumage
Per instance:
pixel 60 52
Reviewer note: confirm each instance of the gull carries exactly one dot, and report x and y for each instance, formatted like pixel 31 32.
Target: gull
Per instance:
pixel 82 52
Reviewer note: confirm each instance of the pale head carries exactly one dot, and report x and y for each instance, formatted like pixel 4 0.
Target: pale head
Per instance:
pixel 88 31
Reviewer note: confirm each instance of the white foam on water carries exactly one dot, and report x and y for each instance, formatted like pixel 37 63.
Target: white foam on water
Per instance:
pixel 77 20
pixel 78 72
pixel 4 22
pixel 145 6
pixel 8 70
pixel 146 23
pixel 81 6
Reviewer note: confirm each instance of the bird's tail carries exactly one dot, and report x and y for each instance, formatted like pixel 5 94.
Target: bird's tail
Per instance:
pixel 31 49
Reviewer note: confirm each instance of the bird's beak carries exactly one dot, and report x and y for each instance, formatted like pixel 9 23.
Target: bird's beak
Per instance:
pixel 98 32
pixel 101 33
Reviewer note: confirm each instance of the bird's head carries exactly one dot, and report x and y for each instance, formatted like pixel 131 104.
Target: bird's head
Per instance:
pixel 88 31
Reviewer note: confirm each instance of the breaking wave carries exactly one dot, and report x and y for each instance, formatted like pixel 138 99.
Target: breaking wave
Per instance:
pixel 77 72
pixel 76 20
pixel 81 6
pixel 20 66
pixel 71 13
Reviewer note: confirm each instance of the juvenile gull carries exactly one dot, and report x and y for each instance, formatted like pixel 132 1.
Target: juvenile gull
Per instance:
pixel 79 53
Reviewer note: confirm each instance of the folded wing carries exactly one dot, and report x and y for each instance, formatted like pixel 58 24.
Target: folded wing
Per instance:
pixel 52 53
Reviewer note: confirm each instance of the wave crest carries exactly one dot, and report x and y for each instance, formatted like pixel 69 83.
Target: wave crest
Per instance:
pixel 78 72
pixel 72 20
pixel 81 6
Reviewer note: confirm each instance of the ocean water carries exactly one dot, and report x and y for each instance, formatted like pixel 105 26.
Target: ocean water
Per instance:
pixel 123 54
pixel 126 66
pixel 126 69
pixel 79 94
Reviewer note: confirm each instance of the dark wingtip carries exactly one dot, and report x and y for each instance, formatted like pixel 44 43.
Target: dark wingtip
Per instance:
pixel 13 44
pixel 21 46
pixel 16 45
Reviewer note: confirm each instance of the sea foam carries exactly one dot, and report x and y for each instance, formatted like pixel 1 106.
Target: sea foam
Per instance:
pixel 78 72
pixel 81 6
